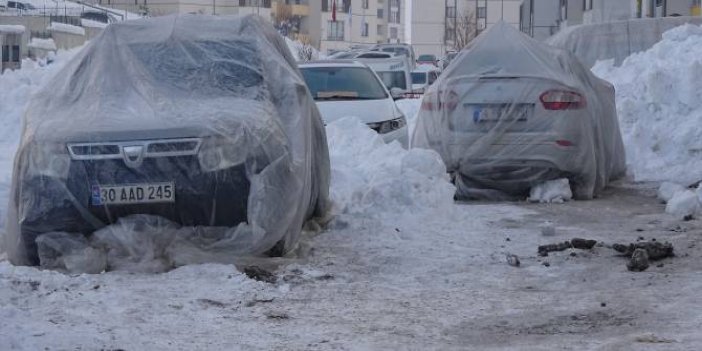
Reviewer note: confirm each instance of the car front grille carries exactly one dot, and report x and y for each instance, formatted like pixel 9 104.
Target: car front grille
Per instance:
pixel 151 148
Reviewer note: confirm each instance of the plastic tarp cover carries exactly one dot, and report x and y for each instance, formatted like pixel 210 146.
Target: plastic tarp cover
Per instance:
pixel 167 141
pixel 511 112
pixel 615 40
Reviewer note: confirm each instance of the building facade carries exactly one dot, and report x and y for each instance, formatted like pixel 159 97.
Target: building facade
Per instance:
pixel 209 7
pixel 347 24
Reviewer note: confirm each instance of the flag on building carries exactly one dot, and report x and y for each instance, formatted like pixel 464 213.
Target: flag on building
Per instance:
pixel 334 10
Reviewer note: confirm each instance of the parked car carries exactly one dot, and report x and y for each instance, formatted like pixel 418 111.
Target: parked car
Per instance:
pixel 422 79
pixel 428 60
pixel 348 88
pixel 512 112
pixel 216 130
pixel 361 54
pixel 398 49
pixel 395 72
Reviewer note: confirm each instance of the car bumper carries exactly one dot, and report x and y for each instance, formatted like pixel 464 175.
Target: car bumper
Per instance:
pixel 49 204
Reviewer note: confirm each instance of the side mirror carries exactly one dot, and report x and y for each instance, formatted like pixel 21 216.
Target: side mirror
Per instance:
pixel 397 93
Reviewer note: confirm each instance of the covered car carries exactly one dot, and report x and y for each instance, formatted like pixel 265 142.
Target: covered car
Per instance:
pixel 168 123
pixel 511 112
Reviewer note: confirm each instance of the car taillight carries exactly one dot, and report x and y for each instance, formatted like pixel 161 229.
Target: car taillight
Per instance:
pixel 432 102
pixel 562 100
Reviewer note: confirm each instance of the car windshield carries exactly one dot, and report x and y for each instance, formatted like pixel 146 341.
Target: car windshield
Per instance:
pixel 213 68
pixel 343 83
pixel 426 58
pixel 419 77
pixel 397 51
pixel 393 79
pixel 374 55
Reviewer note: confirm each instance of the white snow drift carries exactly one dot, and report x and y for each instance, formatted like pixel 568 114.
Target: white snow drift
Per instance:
pixel 659 103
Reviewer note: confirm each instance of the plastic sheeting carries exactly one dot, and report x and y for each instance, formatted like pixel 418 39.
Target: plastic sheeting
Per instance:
pixel 615 40
pixel 511 112
pixel 196 129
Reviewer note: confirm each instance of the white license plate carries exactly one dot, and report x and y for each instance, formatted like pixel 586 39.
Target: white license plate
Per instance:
pixel 498 113
pixel 132 194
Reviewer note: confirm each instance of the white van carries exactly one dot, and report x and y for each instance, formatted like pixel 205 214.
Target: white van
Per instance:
pixel 395 72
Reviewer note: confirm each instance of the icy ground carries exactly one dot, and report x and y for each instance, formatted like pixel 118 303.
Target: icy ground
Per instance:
pixel 417 281
pixel 401 266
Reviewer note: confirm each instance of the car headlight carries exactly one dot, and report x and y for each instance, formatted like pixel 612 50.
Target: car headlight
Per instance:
pixel 49 159
pixel 217 153
pixel 389 125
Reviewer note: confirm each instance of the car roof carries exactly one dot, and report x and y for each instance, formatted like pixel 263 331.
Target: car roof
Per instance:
pixel 331 63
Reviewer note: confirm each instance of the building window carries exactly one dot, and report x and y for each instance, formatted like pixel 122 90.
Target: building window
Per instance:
pixel 364 30
pixel 450 12
pixel 15 53
pixel 6 53
pixel 335 31
pixel 380 30
pixel 364 4
pixel 380 13
pixel 394 16
pixel 482 12
pixel 450 34
pixel 393 33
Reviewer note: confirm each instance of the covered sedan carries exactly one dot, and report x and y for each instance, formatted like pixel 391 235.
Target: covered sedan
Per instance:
pixel 511 112
pixel 181 121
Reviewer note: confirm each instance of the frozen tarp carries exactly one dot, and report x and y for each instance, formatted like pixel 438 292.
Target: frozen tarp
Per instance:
pixel 615 40
pixel 202 122
pixel 511 112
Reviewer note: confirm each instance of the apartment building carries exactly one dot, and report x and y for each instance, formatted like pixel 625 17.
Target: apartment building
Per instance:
pixel 355 23
pixel 211 7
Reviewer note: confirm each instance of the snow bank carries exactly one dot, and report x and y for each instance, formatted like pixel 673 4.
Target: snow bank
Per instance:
pixel 16 89
pixel 659 103
pixel 552 191
pixel 12 28
pixel 44 44
pixel 371 177
pixel 66 28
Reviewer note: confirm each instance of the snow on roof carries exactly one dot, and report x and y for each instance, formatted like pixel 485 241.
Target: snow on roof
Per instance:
pixel 426 68
pixel 92 24
pixel 12 28
pixel 45 44
pixel 66 28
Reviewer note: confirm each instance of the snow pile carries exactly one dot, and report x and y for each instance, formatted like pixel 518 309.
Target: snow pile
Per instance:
pixel 659 103
pixel 371 177
pixel 16 88
pixel 681 202
pixel 667 190
pixel 552 191
pixel 12 28
pixel 65 28
pixel 44 44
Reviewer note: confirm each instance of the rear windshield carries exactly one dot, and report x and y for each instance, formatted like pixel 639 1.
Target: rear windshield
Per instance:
pixel 419 78
pixel 398 51
pixel 393 79
pixel 427 58
pixel 343 83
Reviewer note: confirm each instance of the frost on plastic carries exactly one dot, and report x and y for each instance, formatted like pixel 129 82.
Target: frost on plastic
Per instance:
pixel 615 40
pixel 511 113
pixel 170 139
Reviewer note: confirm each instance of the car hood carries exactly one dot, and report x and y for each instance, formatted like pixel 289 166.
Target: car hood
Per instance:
pixel 368 111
